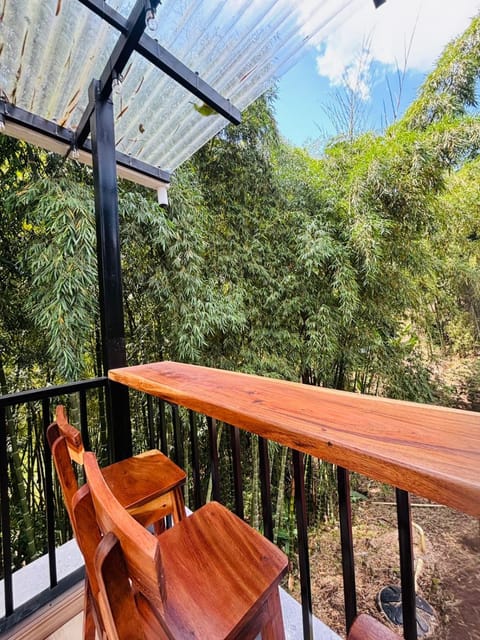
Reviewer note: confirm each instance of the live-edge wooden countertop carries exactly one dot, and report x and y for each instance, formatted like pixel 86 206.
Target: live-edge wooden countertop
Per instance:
pixel 425 449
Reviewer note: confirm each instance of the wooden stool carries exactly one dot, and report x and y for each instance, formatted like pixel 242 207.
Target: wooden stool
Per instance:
pixel 211 576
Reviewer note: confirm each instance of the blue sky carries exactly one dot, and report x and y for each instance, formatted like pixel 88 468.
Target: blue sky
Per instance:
pixel 401 33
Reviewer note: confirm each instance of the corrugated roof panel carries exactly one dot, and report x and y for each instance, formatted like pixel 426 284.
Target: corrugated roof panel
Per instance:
pixel 50 50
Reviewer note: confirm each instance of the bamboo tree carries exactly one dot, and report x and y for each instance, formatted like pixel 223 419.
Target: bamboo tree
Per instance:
pixel 17 475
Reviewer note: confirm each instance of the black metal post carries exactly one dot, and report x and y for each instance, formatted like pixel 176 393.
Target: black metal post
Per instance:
pixel 5 517
pixel 407 572
pixel 303 559
pixel 83 419
pixel 214 468
pixel 109 268
pixel 237 471
pixel 197 487
pixel 162 427
pixel 348 566
pixel 265 488
pixel 177 436
pixel 151 431
pixel 49 496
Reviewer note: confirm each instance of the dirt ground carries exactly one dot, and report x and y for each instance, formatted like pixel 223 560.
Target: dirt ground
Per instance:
pixel 447 550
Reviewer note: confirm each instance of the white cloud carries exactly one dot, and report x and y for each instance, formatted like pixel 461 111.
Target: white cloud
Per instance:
pixel 387 31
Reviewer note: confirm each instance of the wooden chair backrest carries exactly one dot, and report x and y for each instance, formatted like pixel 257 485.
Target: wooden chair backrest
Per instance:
pixel 114 605
pixel 87 532
pixel 116 596
pixel 140 548
pixel 73 437
pixel 65 473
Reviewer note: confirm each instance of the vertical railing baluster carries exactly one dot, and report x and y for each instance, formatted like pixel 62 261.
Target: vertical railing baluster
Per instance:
pixel 303 555
pixel 197 487
pixel 346 538
pixel 162 428
pixel 83 419
pixel 214 468
pixel 237 471
pixel 49 496
pixel 151 434
pixel 265 488
pixel 5 517
pixel 177 436
pixel 407 572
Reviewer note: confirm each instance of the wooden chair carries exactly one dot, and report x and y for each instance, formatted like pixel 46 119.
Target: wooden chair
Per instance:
pixel 148 485
pixel 367 628
pixel 121 612
pixel 211 576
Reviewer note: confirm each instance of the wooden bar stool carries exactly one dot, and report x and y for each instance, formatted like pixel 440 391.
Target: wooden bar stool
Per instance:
pixel 148 485
pixel 211 576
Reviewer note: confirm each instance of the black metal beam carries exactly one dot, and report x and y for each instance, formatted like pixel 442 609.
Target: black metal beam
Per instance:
pixel 168 63
pixel 109 268
pixel 66 136
pixel 138 166
pixel 20 397
pixel 115 65
pixel 35 123
pixel 104 11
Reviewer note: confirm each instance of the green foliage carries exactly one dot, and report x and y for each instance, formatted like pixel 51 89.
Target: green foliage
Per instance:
pixel 451 87
pixel 174 302
pixel 21 345
pixel 62 258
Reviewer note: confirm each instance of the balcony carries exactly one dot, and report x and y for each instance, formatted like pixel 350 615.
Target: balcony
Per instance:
pixel 203 419
pixel 429 451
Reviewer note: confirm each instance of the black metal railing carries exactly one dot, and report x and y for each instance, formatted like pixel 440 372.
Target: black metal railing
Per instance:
pixel 209 462
pixel 213 472
pixel 24 418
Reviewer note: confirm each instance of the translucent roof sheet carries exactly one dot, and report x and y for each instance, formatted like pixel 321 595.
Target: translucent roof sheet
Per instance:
pixel 50 50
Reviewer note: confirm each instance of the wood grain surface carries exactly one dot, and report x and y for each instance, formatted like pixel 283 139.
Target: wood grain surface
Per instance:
pixel 425 449
pixel 210 577
pixel 367 628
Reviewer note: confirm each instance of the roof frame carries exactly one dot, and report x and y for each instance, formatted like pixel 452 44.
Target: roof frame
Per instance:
pixel 132 37
pixel 115 64
pixel 38 130
pixel 166 62
pixel 50 135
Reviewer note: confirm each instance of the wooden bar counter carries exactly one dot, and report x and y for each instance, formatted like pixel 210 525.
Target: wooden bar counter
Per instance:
pixel 428 450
